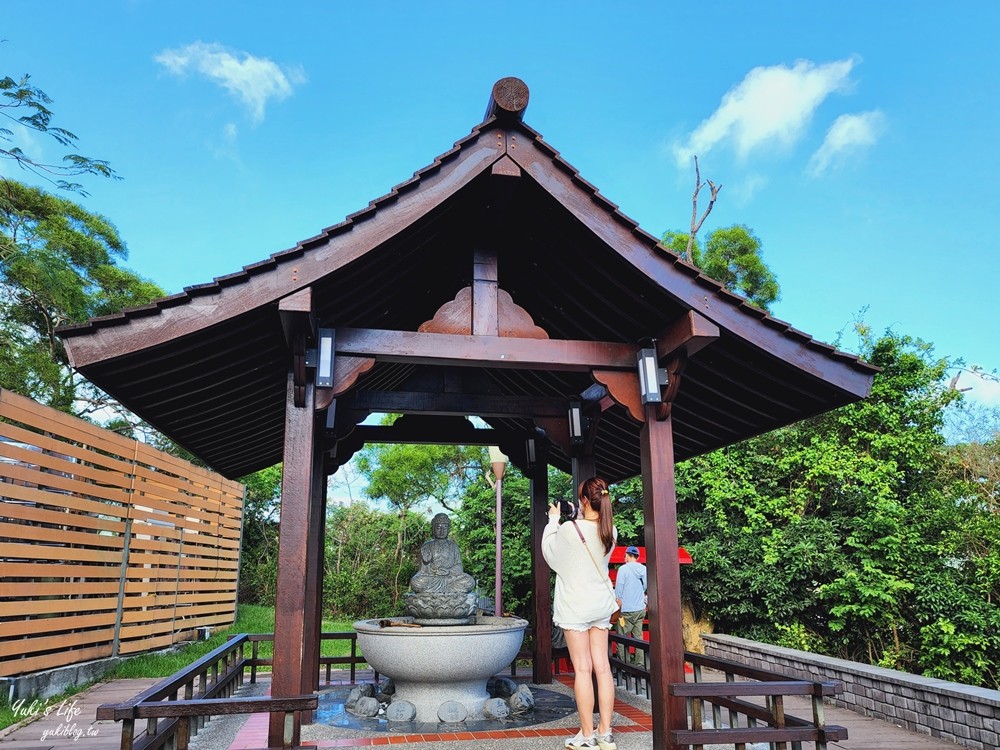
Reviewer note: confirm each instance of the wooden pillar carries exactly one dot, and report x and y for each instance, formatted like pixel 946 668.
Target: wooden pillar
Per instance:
pixel 314 580
pixel 293 542
pixel 582 468
pixel 666 640
pixel 541 664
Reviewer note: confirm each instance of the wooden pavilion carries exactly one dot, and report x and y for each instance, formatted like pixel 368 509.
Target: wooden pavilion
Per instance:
pixel 495 282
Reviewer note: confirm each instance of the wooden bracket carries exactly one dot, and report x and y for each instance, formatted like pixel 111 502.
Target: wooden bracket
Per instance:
pixel 691 332
pixel 297 322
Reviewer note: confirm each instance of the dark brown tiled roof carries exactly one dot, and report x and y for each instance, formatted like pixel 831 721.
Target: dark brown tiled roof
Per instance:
pixel 208 366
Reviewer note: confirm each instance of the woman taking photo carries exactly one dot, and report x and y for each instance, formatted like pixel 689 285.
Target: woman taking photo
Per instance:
pixel 579 551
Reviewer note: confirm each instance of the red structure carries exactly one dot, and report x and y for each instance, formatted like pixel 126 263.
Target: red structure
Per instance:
pixel 618 556
pixel 495 282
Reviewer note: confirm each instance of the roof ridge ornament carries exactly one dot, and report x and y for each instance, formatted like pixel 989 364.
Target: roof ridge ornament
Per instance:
pixel 508 99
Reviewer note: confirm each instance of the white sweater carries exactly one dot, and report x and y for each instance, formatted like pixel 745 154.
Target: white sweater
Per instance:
pixel 581 595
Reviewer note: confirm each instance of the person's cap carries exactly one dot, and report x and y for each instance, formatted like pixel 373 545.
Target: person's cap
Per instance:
pixel 634 551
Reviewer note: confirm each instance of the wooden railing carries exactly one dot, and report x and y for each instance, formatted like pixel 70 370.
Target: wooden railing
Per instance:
pixel 326 663
pixel 176 708
pixel 718 712
pixel 107 546
pixel 743 718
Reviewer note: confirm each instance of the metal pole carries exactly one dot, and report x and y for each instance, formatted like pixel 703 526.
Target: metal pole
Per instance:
pixel 498 462
pixel 499 526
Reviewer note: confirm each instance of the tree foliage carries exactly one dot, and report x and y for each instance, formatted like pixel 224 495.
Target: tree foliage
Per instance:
pixel 410 476
pixel 27 106
pixel 259 550
pixel 362 563
pixel 840 535
pixel 731 256
pixel 58 265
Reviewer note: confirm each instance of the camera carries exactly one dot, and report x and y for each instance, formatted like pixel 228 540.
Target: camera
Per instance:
pixel 567 508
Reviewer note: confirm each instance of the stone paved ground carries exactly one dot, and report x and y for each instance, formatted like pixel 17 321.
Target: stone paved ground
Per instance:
pixel 632 729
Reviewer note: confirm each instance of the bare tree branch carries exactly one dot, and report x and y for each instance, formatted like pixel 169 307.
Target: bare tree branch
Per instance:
pixel 695 221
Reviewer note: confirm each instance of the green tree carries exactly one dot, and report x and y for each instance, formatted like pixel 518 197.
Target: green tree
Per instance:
pixel 58 265
pixel 27 106
pixel 839 535
pixel 259 550
pixel 361 560
pixel 410 476
pixel 731 256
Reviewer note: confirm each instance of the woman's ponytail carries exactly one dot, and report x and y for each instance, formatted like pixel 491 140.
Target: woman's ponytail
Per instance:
pixel 595 490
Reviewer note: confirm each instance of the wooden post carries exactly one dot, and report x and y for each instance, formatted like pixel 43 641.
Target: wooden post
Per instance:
pixel 582 468
pixel 541 664
pixel 485 314
pixel 314 580
pixel 293 541
pixel 666 641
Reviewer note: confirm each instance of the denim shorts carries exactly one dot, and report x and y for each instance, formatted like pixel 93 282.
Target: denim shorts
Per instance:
pixel 582 627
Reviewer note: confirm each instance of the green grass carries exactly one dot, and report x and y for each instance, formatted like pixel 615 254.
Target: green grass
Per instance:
pixel 249 619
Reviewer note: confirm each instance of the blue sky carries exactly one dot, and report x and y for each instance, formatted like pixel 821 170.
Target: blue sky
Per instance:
pixel 857 139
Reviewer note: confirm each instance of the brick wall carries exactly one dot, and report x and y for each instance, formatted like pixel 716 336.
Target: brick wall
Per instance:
pixel 969 716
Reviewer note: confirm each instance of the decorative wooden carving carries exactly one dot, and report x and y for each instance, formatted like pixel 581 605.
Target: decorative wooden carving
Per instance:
pixel 557 431
pixel 456 317
pixel 505 167
pixel 623 387
pixel 346 371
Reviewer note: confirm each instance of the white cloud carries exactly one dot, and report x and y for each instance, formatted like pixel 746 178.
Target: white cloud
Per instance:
pixel 253 80
pixel 771 105
pixel 847 135
pixel 984 390
pixel 744 190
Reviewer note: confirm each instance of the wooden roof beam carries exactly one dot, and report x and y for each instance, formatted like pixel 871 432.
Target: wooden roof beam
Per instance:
pixel 508 100
pixel 296 314
pixel 692 332
pixel 425 402
pixel 484 351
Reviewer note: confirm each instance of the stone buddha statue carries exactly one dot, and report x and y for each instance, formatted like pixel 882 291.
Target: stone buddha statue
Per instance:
pixel 441 593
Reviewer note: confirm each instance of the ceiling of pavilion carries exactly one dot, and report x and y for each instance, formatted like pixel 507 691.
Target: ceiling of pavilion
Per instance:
pixel 208 367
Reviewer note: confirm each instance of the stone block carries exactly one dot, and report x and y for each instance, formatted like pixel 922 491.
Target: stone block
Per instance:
pixel 366 706
pixel 453 712
pixel 504 687
pixel 496 708
pixel 522 700
pixel 401 711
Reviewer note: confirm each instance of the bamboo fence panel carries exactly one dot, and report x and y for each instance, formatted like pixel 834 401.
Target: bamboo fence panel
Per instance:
pixel 107 546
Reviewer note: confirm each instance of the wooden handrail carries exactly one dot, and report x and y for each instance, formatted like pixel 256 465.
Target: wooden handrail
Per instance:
pixel 774 687
pixel 217 706
pixel 756 734
pixel 174 682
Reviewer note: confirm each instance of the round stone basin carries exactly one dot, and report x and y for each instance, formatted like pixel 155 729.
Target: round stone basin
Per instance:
pixel 434 664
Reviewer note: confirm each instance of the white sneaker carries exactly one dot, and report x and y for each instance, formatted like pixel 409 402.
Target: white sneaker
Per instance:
pixel 606 741
pixel 580 742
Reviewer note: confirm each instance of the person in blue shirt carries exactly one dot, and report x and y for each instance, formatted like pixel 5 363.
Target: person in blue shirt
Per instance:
pixel 630 588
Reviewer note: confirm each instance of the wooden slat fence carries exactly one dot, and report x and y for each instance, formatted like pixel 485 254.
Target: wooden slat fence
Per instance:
pixel 107 546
